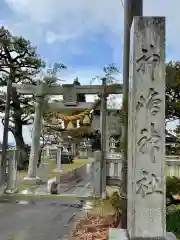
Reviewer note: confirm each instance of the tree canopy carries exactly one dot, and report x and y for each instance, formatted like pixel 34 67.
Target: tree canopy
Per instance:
pixel 21 64
pixel 172 91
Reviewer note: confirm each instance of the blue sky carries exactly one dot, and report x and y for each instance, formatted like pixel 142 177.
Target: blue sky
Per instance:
pixel 84 35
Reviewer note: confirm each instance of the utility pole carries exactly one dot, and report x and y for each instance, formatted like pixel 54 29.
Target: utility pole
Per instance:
pixel 103 140
pixel 131 8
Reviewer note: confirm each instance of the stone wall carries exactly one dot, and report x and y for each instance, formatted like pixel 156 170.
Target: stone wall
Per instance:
pixel 72 177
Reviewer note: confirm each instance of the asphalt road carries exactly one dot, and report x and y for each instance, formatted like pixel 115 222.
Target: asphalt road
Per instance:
pixel 43 219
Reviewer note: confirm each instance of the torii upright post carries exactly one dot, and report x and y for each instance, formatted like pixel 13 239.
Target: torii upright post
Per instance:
pixel 36 134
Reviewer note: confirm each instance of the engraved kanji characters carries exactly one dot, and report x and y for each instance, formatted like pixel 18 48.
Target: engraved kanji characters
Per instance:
pixel 149 142
pixel 148 184
pixel 149 56
pixel 152 102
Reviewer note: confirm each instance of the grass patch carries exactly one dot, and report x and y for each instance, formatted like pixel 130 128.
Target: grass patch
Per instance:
pixel 76 164
pixel 66 167
pixel 50 196
pixel 51 166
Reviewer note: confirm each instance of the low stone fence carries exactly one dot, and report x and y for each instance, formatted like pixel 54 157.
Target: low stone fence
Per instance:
pixel 68 179
pixel 114 169
pixel 173 168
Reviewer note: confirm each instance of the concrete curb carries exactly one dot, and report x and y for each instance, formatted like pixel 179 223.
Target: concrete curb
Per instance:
pixel 48 196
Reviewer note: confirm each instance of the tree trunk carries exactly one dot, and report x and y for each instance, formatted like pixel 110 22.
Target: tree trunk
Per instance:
pixel 23 157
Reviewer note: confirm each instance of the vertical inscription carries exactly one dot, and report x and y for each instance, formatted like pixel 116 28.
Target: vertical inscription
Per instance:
pixel 148 184
pixel 146 192
pixel 149 57
pixel 149 142
pixel 151 102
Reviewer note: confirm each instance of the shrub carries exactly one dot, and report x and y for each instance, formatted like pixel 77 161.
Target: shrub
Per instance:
pixel 172 188
pixel 116 201
pixel 173 222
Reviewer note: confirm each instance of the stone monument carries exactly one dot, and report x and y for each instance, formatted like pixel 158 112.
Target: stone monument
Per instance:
pixel 58 159
pixel 146 141
pixel 12 170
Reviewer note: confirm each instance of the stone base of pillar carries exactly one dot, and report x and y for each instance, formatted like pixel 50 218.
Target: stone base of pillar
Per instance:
pixel 57 170
pixel 11 191
pixel 81 157
pixel 83 154
pixel 122 234
pixel 32 180
pixel 2 189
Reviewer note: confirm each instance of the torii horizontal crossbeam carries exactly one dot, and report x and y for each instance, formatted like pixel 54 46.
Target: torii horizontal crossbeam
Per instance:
pixel 61 107
pixel 44 89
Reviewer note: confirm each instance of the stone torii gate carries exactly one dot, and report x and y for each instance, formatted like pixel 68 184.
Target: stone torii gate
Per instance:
pixel 69 92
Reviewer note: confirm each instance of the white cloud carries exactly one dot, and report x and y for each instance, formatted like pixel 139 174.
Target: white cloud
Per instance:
pixel 70 16
pixel 65 20
pixel 68 21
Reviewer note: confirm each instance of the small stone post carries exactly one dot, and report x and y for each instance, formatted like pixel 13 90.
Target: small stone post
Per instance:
pixel 58 165
pixel 47 151
pixel 35 141
pixel 12 171
pixel 146 143
pixel 95 174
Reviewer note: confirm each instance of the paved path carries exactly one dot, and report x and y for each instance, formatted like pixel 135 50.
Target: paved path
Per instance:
pixel 43 219
pixel 81 189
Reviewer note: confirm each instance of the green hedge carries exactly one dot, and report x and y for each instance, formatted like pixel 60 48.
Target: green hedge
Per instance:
pixel 173 222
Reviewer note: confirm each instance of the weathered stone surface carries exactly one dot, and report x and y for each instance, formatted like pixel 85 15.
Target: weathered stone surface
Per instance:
pixel 116 234
pixel 42 171
pixel 12 171
pixel 32 181
pixel 96 174
pixel 33 159
pixel 146 181
pixel 74 175
pixel 28 89
pixel 59 159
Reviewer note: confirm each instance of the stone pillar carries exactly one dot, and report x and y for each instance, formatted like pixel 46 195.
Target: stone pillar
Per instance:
pixel 108 135
pixel 37 126
pixel 146 143
pixel 58 166
pixel 59 159
pixel 12 171
pixel 83 154
pixel 95 174
pixel 72 149
pixel 47 151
